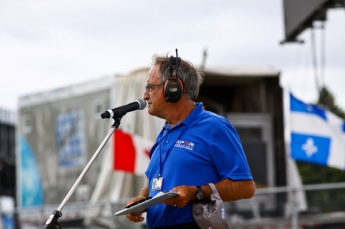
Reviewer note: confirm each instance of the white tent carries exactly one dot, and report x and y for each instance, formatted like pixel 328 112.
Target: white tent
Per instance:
pixel 115 185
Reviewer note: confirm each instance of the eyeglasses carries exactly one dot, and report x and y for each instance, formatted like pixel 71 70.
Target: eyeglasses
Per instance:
pixel 150 87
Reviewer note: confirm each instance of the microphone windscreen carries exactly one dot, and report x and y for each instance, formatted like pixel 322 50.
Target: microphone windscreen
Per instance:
pixel 142 104
pixel 105 115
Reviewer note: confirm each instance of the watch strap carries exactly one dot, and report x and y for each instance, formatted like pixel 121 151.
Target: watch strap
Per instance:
pixel 199 192
pixel 199 189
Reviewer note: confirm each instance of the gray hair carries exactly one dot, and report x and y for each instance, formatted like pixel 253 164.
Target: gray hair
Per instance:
pixel 191 76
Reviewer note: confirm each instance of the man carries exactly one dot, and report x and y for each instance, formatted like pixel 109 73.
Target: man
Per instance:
pixel 194 148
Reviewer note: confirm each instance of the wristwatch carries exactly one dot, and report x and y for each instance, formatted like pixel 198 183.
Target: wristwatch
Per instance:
pixel 199 193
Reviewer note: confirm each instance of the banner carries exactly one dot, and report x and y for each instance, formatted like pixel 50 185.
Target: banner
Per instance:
pixel 317 135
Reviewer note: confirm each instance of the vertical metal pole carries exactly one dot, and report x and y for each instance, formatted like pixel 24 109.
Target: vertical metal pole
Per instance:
pixel 294 209
pixel 113 219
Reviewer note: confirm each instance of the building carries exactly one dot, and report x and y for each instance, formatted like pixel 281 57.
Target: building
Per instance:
pixel 7 168
pixel 7 153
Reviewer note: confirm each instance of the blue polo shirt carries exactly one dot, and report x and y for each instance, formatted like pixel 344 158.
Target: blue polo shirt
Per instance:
pixel 204 148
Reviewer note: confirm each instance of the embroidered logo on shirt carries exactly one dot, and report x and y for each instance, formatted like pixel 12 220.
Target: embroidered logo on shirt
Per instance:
pixel 184 144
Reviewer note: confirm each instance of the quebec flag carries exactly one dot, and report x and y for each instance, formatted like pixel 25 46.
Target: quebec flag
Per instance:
pixel 317 135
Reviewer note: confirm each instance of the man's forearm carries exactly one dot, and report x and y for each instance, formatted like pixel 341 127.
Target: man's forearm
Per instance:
pixel 144 191
pixel 230 190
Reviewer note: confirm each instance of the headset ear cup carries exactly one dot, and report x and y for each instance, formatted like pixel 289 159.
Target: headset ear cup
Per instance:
pixel 173 89
pixel 182 86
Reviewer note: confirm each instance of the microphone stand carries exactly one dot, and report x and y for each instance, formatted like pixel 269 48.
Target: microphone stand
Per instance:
pixel 52 222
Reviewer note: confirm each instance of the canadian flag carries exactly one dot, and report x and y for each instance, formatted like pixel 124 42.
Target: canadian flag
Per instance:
pixel 131 152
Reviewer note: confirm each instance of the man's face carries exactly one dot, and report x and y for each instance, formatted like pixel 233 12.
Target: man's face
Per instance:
pixel 154 93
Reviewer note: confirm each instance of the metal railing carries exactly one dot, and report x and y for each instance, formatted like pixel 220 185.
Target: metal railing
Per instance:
pixel 278 207
pixel 306 206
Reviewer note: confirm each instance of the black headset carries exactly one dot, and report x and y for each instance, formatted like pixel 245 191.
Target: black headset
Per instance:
pixel 173 86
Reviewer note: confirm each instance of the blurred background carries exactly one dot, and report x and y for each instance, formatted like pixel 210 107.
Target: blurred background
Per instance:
pixel 45 45
pixel 62 63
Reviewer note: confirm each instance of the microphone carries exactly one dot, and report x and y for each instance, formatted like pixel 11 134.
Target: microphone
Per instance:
pixel 118 112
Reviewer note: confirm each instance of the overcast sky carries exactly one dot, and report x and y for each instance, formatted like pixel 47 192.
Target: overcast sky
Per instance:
pixel 45 45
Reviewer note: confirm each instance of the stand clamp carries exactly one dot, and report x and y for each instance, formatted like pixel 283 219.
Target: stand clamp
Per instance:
pixel 52 222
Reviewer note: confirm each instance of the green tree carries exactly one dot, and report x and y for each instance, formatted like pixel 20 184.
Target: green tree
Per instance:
pixel 327 101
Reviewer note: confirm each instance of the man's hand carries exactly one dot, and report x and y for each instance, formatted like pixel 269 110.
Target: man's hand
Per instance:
pixel 186 195
pixel 135 216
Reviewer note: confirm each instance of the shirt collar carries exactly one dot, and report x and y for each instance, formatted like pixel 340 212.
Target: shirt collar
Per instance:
pixel 191 118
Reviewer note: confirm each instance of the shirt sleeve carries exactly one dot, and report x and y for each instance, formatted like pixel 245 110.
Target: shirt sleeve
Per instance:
pixel 227 153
